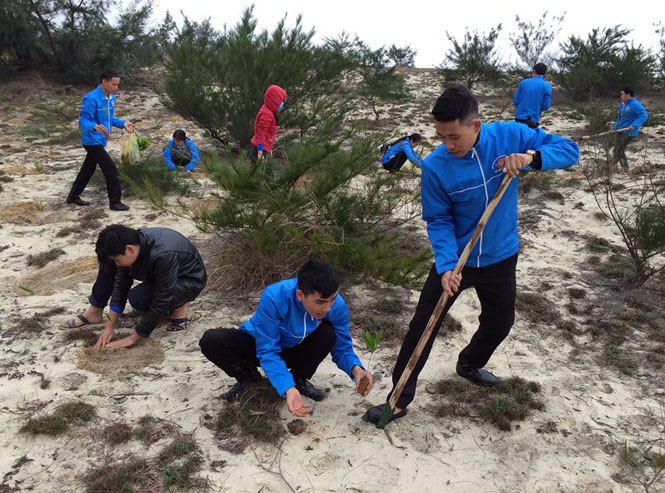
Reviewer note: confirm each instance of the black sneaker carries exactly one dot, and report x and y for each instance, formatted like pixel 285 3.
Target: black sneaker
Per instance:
pixel 119 206
pixel 234 391
pixel 77 201
pixel 479 376
pixel 306 388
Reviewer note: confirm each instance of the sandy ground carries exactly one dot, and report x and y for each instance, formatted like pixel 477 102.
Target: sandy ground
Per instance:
pixel 589 408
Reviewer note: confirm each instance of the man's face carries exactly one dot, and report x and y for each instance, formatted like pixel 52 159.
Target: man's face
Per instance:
pixel 111 86
pixel 128 258
pixel 315 304
pixel 624 97
pixel 179 143
pixel 458 137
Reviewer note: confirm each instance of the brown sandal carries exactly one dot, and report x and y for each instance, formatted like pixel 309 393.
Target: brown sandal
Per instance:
pixel 72 323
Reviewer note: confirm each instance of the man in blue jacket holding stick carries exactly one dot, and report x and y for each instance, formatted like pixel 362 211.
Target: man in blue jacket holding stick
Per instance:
pixel 632 116
pixel 458 180
pixel 297 324
pixel 533 96
pixel 96 122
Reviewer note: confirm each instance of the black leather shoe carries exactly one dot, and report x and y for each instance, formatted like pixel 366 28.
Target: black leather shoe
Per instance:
pixel 234 391
pixel 373 414
pixel 477 375
pixel 78 201
pixel 119 206
pixel 306 388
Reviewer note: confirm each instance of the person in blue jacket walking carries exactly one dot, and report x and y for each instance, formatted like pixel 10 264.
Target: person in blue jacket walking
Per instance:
pixel 632 116
pixel 532 97
pixel 96 121
pixel 401 150
pixel 458 180
pixel 297 324
pixel 181 151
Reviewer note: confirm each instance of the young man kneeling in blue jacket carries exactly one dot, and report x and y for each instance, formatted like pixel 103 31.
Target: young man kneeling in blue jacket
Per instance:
pixel 181 151
pixel 297 323
pixel 458 180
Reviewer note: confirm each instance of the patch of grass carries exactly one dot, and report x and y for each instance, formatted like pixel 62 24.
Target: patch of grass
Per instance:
pixel 150 429
pixel 611 330
pixel 121 477
pixel 577 293
pixel 37 322
pixel 617 358
pixel 598 245
pixel 41 259
pixel 617 268
pixel 512 400
pixel 66 231
pixel 553 195
pixel 58 422
pixel 91 220
pixel 536 308
pixel 81 334
pixel 46 424
pixel 152 180
pixel 181 460
pixel 535 181
pixel 450 324
pixel 391 329
pixel 599 216
pixel 388 306
pixel 117 433
pixel 254 415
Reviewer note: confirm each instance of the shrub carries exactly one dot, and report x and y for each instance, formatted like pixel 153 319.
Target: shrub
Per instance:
pixel 152 180
pixel 315 203
pixel 531 41
pixel 474 59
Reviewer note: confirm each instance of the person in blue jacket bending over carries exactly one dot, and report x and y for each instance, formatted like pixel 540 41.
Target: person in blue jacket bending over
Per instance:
pixel 401 150
pixel 632 116
pixel 458 181
pixel 181 151
pixel 533 96
pixel 297 323
pixel 96 122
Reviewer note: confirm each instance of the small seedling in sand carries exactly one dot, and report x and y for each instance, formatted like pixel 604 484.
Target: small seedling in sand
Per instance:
pixel 117 433
pixel 39 206
pixel 27 289
pixel 181 460
pixel 371 340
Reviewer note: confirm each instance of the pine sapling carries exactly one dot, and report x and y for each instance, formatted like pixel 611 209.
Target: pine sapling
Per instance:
pixel 372 340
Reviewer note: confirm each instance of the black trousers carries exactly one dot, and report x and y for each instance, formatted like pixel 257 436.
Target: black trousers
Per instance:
pixel 622 141
pixel 496 289
pixel 140 296
pixel 529 123
pixel 97 155
pixel 396 162
pixel 234 351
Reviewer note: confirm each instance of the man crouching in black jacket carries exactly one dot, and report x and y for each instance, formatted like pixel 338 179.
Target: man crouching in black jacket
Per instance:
pixel 170 267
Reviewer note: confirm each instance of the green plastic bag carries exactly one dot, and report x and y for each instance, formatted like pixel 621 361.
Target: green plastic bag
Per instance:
pixel 131 152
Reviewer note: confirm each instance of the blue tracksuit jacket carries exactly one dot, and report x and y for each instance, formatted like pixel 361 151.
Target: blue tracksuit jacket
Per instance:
pixel 189 151
pixel 96 108
pixel 631 112
pixel 405 147
pixel 533 96
pixel 281 321
pixel 456 191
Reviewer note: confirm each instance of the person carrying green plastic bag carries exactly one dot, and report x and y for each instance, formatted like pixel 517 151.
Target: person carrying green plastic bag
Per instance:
pixel 133 149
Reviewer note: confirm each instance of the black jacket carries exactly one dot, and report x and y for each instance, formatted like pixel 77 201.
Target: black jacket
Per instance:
pixel 165 257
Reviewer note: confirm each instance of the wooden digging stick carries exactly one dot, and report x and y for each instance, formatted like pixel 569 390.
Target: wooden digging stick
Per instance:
pixel 618 130
pixel 385 417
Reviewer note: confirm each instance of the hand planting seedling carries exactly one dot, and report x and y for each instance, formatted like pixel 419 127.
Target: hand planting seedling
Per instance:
pixel 372 340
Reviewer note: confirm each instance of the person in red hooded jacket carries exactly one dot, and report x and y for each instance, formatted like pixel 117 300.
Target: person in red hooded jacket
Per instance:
pixel 265 124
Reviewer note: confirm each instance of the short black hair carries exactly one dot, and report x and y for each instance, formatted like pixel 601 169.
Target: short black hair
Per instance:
pixel 108 75
pixel 179 134
pixel 415 137
pixel 113 240
pixel 317 275
pixel 540 68
pixel 628 90
pixel 456 103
